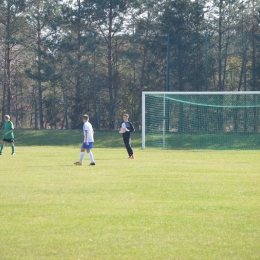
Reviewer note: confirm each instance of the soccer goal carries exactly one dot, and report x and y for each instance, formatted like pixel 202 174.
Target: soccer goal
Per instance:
pixel 201 120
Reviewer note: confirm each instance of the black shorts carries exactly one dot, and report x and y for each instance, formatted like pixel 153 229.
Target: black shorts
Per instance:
pixel 8 140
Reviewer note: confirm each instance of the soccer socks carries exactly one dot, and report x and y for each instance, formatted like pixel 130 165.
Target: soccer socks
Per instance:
pixel 91 157
pixel 3 146
pixel 81 156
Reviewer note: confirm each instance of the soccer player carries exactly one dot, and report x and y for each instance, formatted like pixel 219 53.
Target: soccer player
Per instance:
pixel 88 141
pixel 8 134
pixel 127 127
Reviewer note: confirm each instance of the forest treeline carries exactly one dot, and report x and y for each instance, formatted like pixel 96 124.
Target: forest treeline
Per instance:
pixel 60 59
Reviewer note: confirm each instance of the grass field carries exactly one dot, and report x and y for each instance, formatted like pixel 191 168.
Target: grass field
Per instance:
pixel 165 204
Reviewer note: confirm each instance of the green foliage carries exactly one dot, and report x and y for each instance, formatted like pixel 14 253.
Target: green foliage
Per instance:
pixel 100 55
pixel 181 16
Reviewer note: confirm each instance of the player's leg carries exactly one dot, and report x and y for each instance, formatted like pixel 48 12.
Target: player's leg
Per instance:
pixel 130 150
pixel 81 155
pixel 12 146
pixel 2 147
pixel 90 154
pixel 126 142
pixel 128 147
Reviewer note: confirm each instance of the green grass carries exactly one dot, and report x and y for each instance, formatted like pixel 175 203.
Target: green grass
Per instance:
pixel 162 205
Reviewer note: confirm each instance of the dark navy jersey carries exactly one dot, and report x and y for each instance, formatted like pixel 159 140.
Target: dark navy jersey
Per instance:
pixel 129 126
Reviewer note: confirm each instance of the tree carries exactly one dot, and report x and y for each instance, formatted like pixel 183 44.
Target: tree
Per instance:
pixel 77 51
pixel 182 20
pixel 12 26
pixel 147 49
pixel 110 20
pixel 41 16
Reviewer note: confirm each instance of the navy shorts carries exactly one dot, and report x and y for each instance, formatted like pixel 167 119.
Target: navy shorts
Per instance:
pixel 89 146
pixel 8 140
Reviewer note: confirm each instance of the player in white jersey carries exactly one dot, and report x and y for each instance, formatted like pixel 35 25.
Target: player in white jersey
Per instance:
pixel 88 142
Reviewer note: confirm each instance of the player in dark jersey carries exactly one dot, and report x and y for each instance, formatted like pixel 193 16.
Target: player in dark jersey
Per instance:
pixel 127 127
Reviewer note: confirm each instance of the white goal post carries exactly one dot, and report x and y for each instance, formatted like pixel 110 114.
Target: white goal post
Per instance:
pixel 252 100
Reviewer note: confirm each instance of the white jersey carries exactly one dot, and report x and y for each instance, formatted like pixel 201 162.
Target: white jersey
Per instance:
pixel 88 127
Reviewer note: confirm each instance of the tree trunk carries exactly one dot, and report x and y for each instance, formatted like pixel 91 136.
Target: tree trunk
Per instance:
pixel 220 87
pixel 4 91
pixel 8 60
pixel 110 72
pixel 40 90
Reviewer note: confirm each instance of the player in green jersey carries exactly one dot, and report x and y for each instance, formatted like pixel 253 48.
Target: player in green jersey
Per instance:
pixel 8 136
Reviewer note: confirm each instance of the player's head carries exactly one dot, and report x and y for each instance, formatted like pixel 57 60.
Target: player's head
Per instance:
pixel 85 118
pixel 7 118
pixel 125 117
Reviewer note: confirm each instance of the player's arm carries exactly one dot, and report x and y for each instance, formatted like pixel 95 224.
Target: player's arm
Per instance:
pixel 86 136
pixel 124 126
pixel 131 128
pixel 11 130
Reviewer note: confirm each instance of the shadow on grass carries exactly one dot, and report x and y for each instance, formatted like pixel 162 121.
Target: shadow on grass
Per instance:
pixel 206 141
pixel 29 137
pixel 112 139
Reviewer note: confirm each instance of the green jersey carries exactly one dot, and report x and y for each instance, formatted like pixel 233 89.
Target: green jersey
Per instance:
pixel 7 127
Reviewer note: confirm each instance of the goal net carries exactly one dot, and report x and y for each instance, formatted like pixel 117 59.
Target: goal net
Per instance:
pixel 201 120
